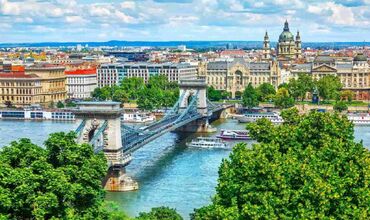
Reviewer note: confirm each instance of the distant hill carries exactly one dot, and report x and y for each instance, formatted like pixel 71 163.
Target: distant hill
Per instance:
pixel 189 44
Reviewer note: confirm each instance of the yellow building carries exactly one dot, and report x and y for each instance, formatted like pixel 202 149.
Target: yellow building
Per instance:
pixel 234 75
pixel 53 82
pixel 19 89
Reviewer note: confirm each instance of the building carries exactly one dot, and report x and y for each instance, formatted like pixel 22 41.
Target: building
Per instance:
pixel 234 75
pixel 20 89
pixel 113 74
pixel 81 83
pixel 266 48
pixel 53 82
pixel 354 74
pixel 287 47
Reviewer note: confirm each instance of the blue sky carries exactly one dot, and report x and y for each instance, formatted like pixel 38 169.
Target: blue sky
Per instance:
pixel 163 20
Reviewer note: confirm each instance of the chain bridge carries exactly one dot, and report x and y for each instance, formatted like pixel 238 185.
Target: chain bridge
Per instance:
pixel 100 126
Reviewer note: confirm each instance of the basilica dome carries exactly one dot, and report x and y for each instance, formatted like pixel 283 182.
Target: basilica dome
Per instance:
pixel 360 57
pixel 286 35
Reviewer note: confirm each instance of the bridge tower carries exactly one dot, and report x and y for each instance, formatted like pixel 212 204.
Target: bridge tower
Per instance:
pixel 100 126
pixel 195 89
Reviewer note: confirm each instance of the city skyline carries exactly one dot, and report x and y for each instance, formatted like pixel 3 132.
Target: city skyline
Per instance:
pixel 186 20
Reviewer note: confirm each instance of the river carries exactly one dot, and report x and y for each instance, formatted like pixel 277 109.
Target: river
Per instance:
pixel 168 172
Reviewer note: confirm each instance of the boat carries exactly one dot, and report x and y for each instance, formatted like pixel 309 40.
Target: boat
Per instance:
pixel 208 142
pixel 234 135
pixel 137 117
pixel 253 117
pixel 360 119
pixel 39 114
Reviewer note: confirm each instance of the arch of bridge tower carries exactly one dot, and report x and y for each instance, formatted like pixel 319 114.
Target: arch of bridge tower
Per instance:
pixel 192 87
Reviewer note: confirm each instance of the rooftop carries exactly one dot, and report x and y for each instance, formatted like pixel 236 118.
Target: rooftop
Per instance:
pixel 81 71
pixel 17 75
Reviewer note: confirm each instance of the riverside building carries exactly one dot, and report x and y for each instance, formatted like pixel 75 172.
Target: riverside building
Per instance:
pixel 234 75
pixel 81 83
pixel 113 74
pixel 53 82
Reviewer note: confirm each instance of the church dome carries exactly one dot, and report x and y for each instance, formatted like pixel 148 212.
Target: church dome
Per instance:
pixel 360 57
pixel 286 35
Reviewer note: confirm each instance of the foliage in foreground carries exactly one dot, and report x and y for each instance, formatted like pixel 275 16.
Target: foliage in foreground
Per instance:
pixel 61 181
pixel 308 168
pixel 160 213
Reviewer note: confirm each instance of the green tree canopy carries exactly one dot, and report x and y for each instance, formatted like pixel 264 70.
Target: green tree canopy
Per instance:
pixel 347 95
pixel 213 94
pixel 62 181
pixel 340 106
pixel 160 213
pixel 133 86
pixel 309 168
pixel 298 88
pixel 265 90
pixel 250 97
pixel 283 99
pixel 329 87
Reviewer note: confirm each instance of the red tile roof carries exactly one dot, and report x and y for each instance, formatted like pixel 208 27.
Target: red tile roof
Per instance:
pixel 81 71
pixel 16 75
pixel 233 53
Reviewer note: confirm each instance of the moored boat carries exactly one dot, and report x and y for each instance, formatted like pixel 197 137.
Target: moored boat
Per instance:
pixel 360 119
pixel 253 117
pixel 208 142
pixel 234 135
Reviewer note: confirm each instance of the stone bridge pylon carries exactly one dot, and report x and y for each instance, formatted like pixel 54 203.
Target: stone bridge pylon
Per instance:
pixel 100 126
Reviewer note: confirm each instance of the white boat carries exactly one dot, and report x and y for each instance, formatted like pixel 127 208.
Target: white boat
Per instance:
pixel 137 117
pixel 252 117
pixel 360 119
pixel 208 142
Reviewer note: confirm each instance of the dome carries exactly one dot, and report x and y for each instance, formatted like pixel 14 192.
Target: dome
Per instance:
pixel 286 36
pixel 360 57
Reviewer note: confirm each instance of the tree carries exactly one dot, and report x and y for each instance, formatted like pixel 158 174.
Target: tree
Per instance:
pixel 298 88
pixel 265 90
pixel 238 94
pixel 250 97
pixel 309 169
pixel 120 95
pixel 283 99
pixel 133 86
pixel 8 104
pixel 160 213
pixel 347 95
pixel 213 94
pixel 329 87
pixel 60 104
pixel 62 180
pixel 340 106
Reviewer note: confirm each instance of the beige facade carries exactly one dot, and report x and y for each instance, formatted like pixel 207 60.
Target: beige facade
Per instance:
pixel 53 82
pixel 234 76
pixel 19 89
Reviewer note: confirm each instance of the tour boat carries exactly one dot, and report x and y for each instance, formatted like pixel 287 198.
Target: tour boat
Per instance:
pixel 137 117
pixel 252 117
pixel 360 119
pixel 234 135
pixel 207 142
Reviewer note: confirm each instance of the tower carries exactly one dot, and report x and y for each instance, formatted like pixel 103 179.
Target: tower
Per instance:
pixel 266 47
pixel 298 46
pixel 286 45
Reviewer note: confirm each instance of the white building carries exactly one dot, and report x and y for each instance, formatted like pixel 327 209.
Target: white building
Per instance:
pixel 80 83
pixel 113 74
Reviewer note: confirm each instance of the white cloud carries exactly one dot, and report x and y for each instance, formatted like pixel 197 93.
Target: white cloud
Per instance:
pixel 75 19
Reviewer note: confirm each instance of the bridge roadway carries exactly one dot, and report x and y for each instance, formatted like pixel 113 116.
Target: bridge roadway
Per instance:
pixel 135 139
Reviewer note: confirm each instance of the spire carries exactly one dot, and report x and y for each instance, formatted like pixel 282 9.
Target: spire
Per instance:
pixel 298 37
pixel 266 36
pixel 286 26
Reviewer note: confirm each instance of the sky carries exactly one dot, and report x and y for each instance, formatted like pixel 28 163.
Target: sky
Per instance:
pixel 182 20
